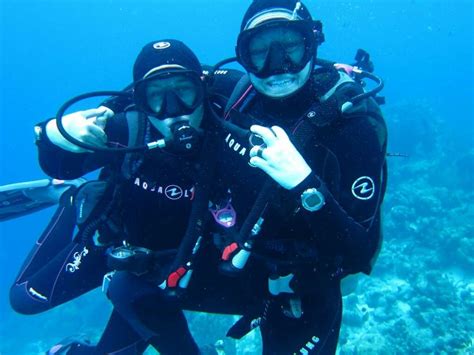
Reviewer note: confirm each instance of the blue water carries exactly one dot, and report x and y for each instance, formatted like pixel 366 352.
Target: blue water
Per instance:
pixel 51 50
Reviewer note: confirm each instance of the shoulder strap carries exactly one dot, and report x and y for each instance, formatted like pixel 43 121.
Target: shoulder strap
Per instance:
pixel 137 128
pixel 329 99
pixel 343 79
pixel 241 90
pixel 181 269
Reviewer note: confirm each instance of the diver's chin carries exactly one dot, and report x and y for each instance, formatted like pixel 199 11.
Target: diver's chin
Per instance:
pixel 276 86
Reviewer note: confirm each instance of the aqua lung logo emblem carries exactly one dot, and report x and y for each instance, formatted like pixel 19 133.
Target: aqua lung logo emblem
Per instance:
pixel 363 188
pixel 161 45
pixel 174 192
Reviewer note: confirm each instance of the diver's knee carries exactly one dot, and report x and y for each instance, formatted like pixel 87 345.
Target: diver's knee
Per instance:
pixel 125 289
pixel 120 288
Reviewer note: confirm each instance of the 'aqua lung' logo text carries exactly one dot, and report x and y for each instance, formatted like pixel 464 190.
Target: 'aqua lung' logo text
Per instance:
pixel 234 145
pixel 172 192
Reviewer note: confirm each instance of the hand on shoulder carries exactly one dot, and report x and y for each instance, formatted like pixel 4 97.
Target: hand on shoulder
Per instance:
pixel 86 126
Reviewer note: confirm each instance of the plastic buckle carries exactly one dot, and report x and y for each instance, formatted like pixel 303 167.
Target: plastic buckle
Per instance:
pixel 106 281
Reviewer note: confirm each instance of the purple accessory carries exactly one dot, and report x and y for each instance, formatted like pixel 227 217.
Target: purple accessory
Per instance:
pixel 225 216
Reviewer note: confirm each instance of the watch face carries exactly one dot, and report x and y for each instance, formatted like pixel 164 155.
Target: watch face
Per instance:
pixel 312 200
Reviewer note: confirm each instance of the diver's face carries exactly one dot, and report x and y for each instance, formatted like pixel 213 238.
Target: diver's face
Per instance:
pixel 173 96
pixel 280 43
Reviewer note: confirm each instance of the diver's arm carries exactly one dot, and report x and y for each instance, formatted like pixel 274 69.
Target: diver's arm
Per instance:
pixel 63 164
pixel 347 225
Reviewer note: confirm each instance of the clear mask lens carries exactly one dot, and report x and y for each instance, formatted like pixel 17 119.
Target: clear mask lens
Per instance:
pixel 276 47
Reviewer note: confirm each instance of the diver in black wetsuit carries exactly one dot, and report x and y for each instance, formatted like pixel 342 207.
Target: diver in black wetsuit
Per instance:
pixel 316 168
pixel 153 204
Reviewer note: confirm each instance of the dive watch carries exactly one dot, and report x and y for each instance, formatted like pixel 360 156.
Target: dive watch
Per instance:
pixel 312 200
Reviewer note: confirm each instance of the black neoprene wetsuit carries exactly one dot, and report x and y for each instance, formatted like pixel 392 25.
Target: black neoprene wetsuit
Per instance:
pixel 347 157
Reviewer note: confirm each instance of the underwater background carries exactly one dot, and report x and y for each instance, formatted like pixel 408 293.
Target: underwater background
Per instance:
pixel 420 297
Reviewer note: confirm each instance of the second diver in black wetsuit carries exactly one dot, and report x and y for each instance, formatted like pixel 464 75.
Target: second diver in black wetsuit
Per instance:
pixel 151 208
